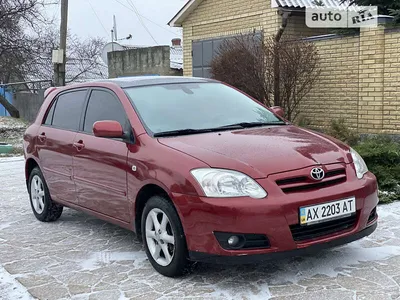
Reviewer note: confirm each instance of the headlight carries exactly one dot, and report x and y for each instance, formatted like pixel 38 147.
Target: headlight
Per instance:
pixel 359 163
pixel 227 183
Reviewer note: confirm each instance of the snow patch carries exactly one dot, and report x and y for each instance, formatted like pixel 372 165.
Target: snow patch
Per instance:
pixel 5 225
pixel 100 258
pixel 226 294
pixel 331 262
pixel 10 288
pixel 11 159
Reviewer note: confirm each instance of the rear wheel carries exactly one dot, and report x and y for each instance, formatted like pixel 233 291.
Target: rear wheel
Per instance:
pixel 43 207
pixel 163 237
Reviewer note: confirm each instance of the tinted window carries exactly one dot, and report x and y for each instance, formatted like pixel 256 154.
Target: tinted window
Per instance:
pixel 103 106
pixel 68 110
pixel 195 106
pixel 49 118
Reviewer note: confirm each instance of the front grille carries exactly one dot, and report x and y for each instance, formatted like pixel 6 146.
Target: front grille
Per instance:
pixel 304 183
pixel 304 233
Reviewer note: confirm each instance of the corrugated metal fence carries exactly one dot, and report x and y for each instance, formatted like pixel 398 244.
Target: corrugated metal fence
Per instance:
pixel 8 96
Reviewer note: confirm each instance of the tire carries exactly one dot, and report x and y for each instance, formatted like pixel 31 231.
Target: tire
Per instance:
pixel 178 263
pixel 44 209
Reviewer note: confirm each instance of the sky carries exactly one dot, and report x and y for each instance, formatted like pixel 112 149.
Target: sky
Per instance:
pixel 88 18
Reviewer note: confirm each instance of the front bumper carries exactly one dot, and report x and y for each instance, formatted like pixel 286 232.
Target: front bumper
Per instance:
pixel 201 217
pixel 248 259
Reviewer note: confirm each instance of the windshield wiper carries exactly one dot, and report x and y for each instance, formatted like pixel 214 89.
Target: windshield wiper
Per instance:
pixel 226 127
pixel 253 124
pixel 181 132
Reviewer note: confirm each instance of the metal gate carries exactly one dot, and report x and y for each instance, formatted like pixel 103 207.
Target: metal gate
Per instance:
pixel 203 52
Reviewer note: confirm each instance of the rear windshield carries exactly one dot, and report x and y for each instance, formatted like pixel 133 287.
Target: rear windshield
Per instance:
pixel 181 106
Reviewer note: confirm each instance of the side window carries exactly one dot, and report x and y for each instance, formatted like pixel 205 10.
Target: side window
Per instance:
pixel 68 110
pixel 103 106
pixel 49 118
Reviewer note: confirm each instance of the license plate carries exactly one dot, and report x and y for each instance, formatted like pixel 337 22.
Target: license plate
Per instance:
pixel 327 211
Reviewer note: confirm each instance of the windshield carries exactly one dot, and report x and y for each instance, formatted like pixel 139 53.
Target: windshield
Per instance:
pixel 195 106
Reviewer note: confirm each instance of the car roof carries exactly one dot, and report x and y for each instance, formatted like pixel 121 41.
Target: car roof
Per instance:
pixel 125 82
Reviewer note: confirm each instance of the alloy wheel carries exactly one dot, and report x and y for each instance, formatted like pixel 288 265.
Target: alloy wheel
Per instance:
pixel 37 194
pixel 160 237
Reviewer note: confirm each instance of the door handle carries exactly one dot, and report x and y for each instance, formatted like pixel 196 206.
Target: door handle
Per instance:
pixel 42 137
pixel 79 145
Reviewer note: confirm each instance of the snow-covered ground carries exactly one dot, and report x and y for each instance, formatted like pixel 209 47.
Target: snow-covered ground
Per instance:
pixel 11 288
pixel 80 257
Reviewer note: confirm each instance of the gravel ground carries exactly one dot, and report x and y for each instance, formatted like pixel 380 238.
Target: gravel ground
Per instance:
pixel 80 257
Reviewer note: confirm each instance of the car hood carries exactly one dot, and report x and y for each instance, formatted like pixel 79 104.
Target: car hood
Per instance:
pixel 262 151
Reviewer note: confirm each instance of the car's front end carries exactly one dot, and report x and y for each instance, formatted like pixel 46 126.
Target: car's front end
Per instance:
pixel 247 229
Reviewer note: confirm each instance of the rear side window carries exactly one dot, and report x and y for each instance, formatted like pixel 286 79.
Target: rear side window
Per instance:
pixel 49 118
pixel 68 110
pixel 103 106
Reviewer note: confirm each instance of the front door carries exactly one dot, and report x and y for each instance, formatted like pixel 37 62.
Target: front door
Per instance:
pixel 55 143
pixel 100 164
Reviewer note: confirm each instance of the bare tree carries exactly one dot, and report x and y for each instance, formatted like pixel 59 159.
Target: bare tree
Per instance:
pixel 247 62
pixel 299 71
pixel 15 44
pixel 241 62
pixel 26 45
pixel 83 57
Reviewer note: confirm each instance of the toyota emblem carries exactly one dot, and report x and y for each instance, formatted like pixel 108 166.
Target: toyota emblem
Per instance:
pixel 317 174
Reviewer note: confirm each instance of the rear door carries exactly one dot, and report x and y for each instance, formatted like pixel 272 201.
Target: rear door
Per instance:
pixel 55 143
pixel 100 164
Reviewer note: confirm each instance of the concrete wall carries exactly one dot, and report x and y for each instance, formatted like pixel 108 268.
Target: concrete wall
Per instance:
pixel 28 104
pixel 141 61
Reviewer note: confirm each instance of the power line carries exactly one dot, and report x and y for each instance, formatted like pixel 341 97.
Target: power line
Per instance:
pixel 136 11
pixel 97 16
pixel 149 20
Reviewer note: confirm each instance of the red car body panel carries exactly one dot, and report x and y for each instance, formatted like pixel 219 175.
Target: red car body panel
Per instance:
pixel 100 171
pixel 103 177
pixel 262 151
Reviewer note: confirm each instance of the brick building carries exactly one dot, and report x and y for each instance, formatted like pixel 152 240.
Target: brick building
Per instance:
pixel 360 78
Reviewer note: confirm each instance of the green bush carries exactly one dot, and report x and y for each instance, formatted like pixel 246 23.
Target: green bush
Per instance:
pixel 339 130
pixel 303 121
pixel 382 156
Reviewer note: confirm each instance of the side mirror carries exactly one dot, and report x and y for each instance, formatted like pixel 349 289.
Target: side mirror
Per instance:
pixel 108 129
pixel 278 111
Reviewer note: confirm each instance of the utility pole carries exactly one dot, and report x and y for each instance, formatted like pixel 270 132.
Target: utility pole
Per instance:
pixel 115 28
pixel 59 56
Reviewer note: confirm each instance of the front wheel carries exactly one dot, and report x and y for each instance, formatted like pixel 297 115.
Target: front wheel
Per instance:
pixel 163 237
pixel 43 207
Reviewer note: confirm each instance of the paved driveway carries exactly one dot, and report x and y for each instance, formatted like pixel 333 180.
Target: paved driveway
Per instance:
pixel 80 257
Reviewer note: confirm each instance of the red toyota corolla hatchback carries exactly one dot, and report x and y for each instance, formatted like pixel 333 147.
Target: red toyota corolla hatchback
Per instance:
pixel 199 170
